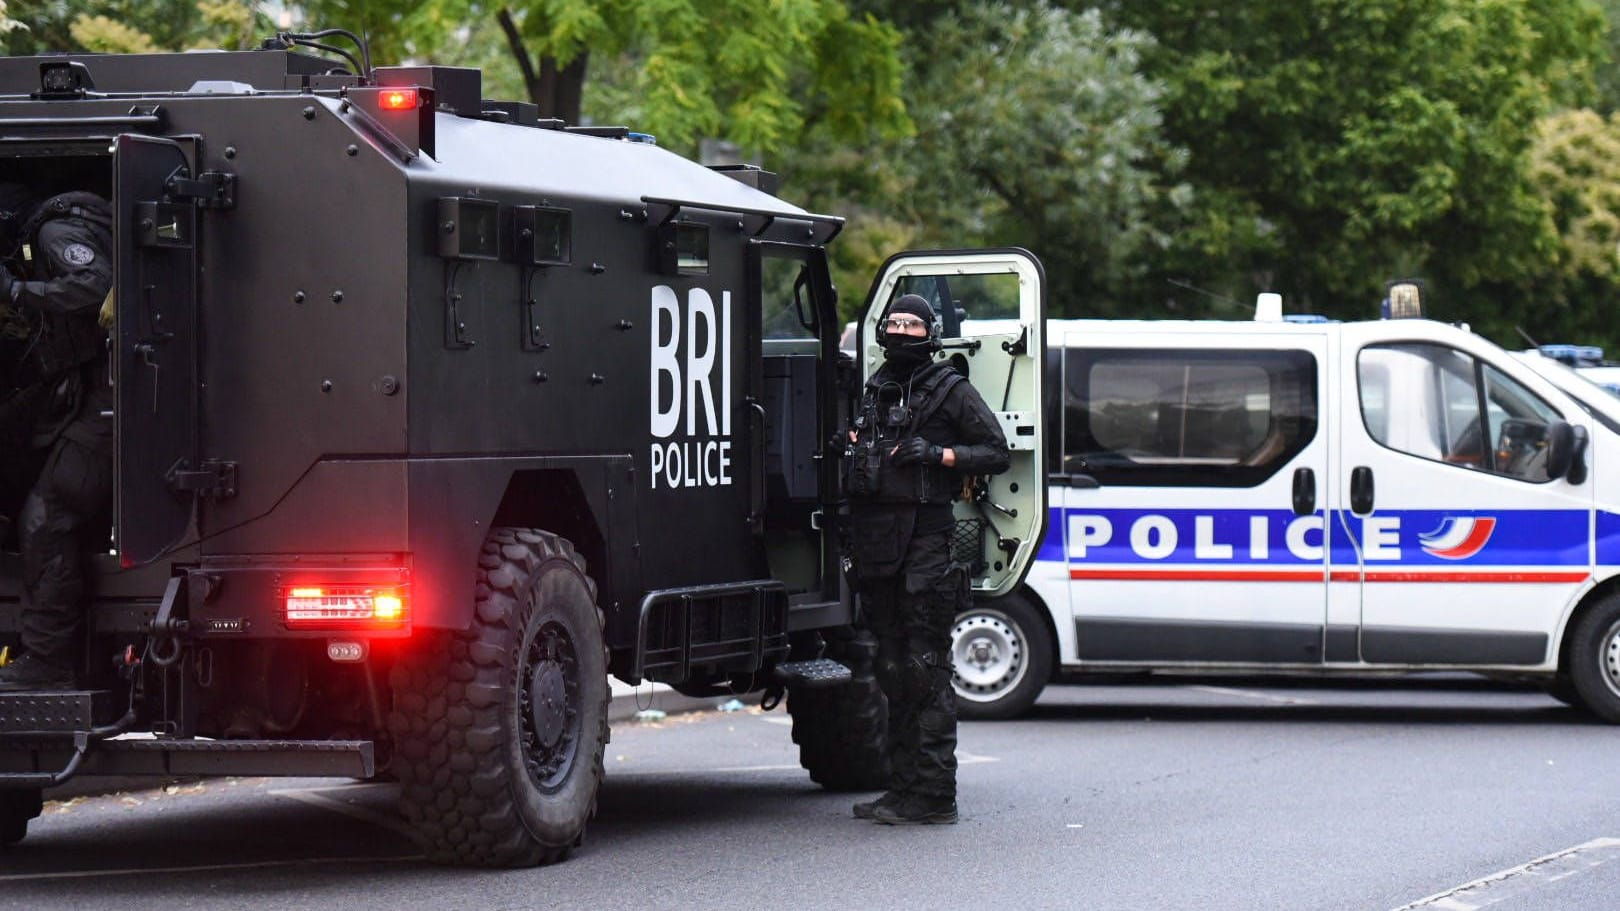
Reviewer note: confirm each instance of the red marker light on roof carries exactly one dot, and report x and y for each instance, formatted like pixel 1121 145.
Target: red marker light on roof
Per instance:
pixel 399 100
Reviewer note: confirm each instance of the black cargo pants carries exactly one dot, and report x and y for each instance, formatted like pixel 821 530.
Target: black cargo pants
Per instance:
pixel 911 592
pixel 66 515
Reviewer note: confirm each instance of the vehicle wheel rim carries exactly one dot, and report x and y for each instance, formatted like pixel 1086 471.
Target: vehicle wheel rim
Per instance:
pixel 987 656
pixel 550 706
pixel 1611 658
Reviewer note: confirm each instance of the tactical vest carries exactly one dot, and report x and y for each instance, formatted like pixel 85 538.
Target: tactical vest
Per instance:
pixel 66 341
pixel 890 411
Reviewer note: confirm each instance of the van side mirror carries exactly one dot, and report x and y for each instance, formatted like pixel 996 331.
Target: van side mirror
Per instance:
pixel 1577 464
pixel 1565 443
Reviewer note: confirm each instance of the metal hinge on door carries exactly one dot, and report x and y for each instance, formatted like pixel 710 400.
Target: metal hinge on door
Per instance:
pixel 213 478
pixel 210 189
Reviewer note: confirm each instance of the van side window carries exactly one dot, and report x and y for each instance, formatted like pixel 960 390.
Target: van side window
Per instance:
pixel 1438 403
pixel 1186 418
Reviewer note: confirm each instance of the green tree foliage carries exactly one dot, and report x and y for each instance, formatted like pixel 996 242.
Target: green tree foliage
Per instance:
pixel 761 75
pixel 758 74
pixel 1607 76
pixel 8 24
pixel 1035 128
pixel 1576 167
pixel 1335 143
pixel 131 26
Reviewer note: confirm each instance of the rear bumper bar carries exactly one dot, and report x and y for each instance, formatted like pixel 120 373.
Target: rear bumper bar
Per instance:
pixel 26 764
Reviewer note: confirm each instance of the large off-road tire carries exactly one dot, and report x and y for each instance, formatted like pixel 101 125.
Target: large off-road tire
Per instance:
pixel 842 730
pixel 499 729
pixel 16 809
pixel 1592 659
pixel 1001 654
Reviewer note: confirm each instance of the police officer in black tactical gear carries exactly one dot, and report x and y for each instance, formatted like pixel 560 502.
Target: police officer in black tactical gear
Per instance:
pixel 920 431
pixel 56 442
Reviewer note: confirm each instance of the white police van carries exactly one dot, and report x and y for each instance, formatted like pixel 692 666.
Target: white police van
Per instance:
pixel 1245 497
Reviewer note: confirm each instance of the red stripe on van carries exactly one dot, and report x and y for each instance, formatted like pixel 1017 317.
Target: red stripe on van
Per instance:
pixel 1199 575
pixel 1477 577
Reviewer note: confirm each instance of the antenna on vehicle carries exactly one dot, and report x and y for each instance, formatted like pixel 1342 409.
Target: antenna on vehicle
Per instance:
pixel 1526 336
pixel 1191 287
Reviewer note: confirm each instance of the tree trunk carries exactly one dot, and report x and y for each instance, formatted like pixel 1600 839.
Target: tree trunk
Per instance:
pixel 556 90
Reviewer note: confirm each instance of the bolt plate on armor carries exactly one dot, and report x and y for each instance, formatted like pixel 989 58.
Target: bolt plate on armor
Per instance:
pixel 817 672
pixel 59 712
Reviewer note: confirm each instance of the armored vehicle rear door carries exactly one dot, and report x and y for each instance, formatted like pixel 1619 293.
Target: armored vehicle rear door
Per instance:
pixel 155 346
pixel 992 304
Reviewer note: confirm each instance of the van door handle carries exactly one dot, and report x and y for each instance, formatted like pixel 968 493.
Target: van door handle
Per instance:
pixel 1361 490
pixel 1304 491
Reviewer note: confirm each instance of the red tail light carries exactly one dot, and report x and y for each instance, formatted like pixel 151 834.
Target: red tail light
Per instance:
pixel 347 606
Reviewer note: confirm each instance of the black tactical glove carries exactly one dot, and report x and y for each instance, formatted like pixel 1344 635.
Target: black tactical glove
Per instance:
pixel 918 449
pixel 8 285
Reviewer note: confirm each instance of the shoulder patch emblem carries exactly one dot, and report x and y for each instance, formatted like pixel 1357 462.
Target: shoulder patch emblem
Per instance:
pixel 79 254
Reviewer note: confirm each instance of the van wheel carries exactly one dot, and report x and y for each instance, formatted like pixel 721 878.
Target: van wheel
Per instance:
pixel 16 809
pixel 1002 655
pixel 1594 659
pixel 842 731
pixel 499 729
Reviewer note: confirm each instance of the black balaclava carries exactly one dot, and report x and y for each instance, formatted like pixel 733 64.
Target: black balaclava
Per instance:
pixel 905 352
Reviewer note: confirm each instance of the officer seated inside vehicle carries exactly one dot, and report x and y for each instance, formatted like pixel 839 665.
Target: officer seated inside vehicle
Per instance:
pixel 56 275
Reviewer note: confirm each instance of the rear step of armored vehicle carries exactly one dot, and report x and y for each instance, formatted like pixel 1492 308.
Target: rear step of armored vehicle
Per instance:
pixel 51 737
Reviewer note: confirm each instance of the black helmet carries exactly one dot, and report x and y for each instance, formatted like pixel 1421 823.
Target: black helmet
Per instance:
pixel 913 305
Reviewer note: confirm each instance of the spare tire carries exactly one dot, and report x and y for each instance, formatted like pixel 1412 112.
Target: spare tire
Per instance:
pixel 842 731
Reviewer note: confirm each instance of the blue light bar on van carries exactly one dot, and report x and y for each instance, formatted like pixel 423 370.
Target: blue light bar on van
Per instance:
pixel 1574 355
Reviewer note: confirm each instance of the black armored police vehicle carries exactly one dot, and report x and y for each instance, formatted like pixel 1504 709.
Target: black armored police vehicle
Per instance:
pixel 430 414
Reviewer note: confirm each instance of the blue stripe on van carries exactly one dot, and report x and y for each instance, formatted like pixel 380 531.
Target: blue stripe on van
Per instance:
pixel 1528 537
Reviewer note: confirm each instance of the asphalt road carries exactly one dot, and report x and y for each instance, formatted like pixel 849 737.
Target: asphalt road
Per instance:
pixel 1187 795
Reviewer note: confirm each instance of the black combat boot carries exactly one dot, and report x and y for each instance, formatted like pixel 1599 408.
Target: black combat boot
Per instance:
pixel 33 674
pixel 866 809
pixel 917 810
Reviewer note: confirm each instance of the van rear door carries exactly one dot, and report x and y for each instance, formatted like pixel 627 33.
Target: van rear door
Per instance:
pixel 992 304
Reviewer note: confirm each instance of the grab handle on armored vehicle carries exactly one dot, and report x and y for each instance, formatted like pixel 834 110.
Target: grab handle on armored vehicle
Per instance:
pixel 757 417
pixel 1361 490
pixel 137 119
pixel 1304 491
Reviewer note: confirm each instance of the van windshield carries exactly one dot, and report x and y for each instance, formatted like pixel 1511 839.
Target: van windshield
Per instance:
pixel 1596 401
